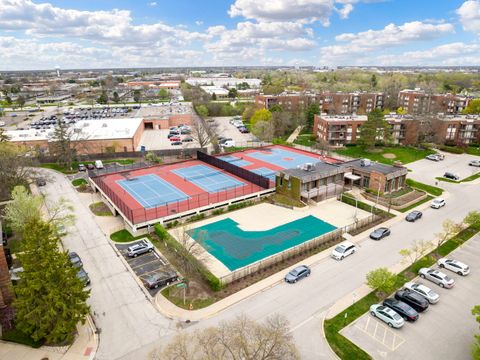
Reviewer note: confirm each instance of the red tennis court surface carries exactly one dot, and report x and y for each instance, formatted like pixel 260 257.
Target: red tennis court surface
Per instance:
pixel 136 213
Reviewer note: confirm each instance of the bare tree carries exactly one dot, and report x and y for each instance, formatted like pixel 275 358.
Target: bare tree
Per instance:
pixel 202 133
pixel 239 339
pixel 190 248
pixel 264 130
pixel 449 229
pixel 415 251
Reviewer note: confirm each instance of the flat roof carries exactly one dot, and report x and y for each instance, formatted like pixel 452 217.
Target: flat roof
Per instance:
pixel 103 129
pixel 341 118
pixel 319 168
pixel 374 166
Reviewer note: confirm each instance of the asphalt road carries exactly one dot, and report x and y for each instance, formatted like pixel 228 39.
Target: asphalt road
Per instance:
pixel 131 327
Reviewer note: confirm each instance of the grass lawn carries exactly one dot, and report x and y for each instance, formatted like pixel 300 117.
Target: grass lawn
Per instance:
pixel 473 150
pixel 196 302
pixel 361 205
pixel 343 347
pixel 100 209
pixel 124 236
pixel 285 200
pixel 447 180
pixel 400 153
pixel 436 191
pixel 305 140
pixel 471 177
pixel 408 208
pixel 78 182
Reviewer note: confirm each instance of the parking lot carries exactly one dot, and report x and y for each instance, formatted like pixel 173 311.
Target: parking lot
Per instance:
pixel 427 170
pixel 444 331
pixel 146 264
pixel 227 130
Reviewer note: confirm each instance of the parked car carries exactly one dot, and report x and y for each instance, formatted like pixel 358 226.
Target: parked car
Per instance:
pixel 297 274
pixel 82 167
pixel 175 138
pixel 160 279
pixel 222 140
pixel 228 143
pixel 343 250
pixel 413 216
pixel 41 182
pixel 98 164
pixel 380 233
pixel 75 259
pixel 437 203
pixel 387 315
pixel 3 123
pixel 474 163
pixel 61 230
pixel 424 291
pixel 90 166
pixel 437 277
pixel 172 135
pixel 243 130
pixel 416 301
pixel 403 309
pixel 187 139
pixel 454 265
pixel 433 157
pixel 83 275
pixel 174 143
pixel 142 247
pixel 451 176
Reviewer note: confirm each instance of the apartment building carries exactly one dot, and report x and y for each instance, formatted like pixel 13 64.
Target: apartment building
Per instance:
pixel 329 102
pixel 457 129
pixel 338 130
pixel 417 101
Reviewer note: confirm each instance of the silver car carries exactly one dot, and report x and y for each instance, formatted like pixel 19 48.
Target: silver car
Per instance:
pixel 387 315
pixel 424 291
pixel 437 277
pixel 140 248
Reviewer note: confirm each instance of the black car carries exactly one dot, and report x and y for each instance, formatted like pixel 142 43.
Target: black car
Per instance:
pixel 404 310
pixel 160 279
pixel 176 143
pixel 171 135
pixel 75 259
pixel 416 301
pixel 82 167
pixel 451 176
pixel 90 167
pixel 380 233
pixel 414 215
pixel 298 273
pixel 243 130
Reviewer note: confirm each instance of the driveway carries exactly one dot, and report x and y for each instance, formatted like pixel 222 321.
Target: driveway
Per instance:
pixel 427 170
pixel 225 129
pixel 445 331
pixel 126 318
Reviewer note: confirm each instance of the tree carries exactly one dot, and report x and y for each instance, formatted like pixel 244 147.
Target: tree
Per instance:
pixel 416 251
pixel 260 115
pixel 248 113
pixel 153 158
pixel 3 137
pixel 116 98
pixel 243 86
pixel 241 338
pixel 164 94
pixel 8 100
pixel 374 130
pixel 373 81
pixel 264 130
pixel 382 280
pixel 50 297
pixel 21 101
pixel 199 133
pixel 472 218
pixel 276 108
pixel 214 96
pixel 310 112
pixel 103 98
pixel 401 111
pixel 232 93
pixel 449 229
pixel 476 344
pixel 473 107
pixel 202 110
pixel 62 146
pixel 137 95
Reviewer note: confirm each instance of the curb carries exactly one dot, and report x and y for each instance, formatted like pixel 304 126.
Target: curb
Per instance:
pixel 93 328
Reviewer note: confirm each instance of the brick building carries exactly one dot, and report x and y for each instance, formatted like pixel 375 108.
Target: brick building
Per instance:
pixel 329 102
pixel 417 101
pixel 338 130
pixel 457 129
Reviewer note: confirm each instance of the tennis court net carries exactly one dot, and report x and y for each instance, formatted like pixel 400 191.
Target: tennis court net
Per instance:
pixel 201 176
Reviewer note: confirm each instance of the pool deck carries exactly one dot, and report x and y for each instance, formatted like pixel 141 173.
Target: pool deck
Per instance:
pixel 266 216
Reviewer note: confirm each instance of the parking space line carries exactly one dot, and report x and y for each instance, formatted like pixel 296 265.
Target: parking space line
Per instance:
pixel 393 345
pixel 143 264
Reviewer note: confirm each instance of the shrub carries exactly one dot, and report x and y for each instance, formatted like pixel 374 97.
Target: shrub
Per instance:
pixel 240 205
pixel 161 232
pixel 218 211
pixel 451 149
pixel 171 224
pixel 196 217
pixel 350 145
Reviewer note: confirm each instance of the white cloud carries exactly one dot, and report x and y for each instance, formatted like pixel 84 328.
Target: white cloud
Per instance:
pixel 305 11
pixel 356 47
pixel 469 14
pixel 153 3
pixel 199 22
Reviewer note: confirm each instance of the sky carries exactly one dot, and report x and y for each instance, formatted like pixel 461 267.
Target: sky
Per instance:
pixel 165 33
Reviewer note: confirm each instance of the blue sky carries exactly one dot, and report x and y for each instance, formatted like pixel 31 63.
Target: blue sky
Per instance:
pixel 91 34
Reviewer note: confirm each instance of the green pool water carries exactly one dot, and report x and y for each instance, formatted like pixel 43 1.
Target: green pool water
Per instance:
pixel 236 248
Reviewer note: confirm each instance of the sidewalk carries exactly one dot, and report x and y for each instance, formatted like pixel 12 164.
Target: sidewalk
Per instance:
pixel 294 134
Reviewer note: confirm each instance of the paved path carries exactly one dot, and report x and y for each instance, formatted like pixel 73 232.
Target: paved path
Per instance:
pixel 294 134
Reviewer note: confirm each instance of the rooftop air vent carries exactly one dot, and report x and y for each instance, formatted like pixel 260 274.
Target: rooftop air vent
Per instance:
pixel 365 162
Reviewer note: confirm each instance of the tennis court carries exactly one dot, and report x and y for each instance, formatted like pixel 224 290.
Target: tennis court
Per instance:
pixel 207 178
pixel 268 173
pixel 235 160
pixel 282 157
pixel 151 190
pixel 237 248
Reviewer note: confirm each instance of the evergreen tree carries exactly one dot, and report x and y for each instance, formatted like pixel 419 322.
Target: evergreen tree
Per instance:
pixel 116 98
pixel 310 112
pixel 375 130
pixel 62 144
pixel 51 299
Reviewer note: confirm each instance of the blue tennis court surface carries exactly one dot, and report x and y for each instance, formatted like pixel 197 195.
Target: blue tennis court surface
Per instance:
pixel 268 173
pixel 208 179
pixel 235 160
pixel 280 157
pixel 236 248
pixel 152 191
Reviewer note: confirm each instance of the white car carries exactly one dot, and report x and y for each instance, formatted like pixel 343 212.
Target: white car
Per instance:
pixel 437 203
pixel 474 163
pixel 455 266
pixel 387 315
pixel 343 250
pixel 424 291
pixel 3 123
pixel 437 277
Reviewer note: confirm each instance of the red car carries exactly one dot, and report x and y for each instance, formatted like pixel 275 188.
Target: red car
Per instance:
pixel 175 138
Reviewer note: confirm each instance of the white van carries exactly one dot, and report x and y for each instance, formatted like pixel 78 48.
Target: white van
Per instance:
pixel 228 143
pixel 99 164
